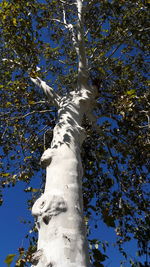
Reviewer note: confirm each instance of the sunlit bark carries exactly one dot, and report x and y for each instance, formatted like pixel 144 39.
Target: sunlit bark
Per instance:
pixel 59 211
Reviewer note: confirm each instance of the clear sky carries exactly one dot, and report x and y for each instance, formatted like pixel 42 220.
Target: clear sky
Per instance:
pixel 12 231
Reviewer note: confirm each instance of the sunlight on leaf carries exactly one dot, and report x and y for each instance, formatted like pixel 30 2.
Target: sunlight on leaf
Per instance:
pixel 9 259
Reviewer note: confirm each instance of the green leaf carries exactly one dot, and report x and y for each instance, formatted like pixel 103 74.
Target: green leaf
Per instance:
pixel 8 104
pixel 14 21
pixel 9 259
pixel 5 174
pixel 31 102
pixel 101 70
pixel 5 4
pixel 131 92
pixel 35 190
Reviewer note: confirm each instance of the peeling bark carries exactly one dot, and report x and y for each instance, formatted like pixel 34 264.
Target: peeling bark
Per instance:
pixel 59 211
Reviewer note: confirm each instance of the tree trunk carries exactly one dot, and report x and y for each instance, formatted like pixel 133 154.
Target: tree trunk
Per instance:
pixel 59 211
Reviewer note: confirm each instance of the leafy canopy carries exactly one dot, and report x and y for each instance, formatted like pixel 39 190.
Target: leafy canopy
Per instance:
pixel 115 157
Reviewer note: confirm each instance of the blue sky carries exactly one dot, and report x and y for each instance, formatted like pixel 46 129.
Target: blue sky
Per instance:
pixel 12 231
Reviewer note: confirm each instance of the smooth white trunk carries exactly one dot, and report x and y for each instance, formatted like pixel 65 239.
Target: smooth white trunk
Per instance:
pixel 59 211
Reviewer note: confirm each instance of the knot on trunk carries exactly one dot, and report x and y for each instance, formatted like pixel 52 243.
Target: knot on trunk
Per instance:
pixel 49 205
pixel 39 257
pixel 47 157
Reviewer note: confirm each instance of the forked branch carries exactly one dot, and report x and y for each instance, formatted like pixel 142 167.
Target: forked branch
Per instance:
pixel 53 97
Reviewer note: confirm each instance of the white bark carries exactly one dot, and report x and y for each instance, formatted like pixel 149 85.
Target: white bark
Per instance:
pixel 49 92
pixel 59 211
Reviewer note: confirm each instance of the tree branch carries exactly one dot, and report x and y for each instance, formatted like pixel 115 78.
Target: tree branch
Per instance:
pixel 70 27
pixel 53 97
pixel 69 4
pixel 30 113
pixel 82 65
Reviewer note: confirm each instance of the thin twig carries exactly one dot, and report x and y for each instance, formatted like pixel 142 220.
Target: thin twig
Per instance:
pixel 3 114
pixel 4 132
pixel 148 119
pixel 113 52
pixel 65 3
pixel 30 113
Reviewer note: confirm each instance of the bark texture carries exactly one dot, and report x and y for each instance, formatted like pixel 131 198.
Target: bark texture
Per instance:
pixel 59 211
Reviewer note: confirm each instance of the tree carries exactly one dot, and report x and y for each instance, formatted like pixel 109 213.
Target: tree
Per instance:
pixel 94 55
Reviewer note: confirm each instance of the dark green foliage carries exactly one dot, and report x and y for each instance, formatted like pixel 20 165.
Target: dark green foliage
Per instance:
pixel 116 155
